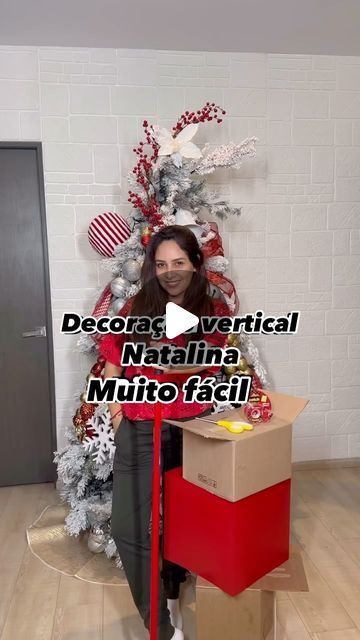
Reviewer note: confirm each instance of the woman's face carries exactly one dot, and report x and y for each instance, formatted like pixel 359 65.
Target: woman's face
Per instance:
pixel 173 269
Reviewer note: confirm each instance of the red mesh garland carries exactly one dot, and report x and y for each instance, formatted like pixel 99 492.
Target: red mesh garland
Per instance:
pixel 211 249
pixel 101 309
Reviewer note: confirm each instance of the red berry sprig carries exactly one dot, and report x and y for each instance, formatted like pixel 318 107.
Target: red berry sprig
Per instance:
pixel 142 170
pixel 148 204
pixel 210 111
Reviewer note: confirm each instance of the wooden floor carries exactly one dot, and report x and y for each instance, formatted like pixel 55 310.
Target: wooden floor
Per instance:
pixel 38 603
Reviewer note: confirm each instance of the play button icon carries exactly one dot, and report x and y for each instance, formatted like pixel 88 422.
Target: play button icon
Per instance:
pixel 178 320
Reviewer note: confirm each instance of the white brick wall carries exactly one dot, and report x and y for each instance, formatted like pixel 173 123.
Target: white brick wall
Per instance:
pixel 297 244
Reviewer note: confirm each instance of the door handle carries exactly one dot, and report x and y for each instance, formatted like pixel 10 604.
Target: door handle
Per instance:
pixel 38 332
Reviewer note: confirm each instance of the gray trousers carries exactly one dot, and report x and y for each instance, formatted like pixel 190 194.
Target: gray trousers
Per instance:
pixel 131 511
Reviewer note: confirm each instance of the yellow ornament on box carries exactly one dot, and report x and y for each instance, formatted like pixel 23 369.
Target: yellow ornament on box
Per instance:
pixel 83 396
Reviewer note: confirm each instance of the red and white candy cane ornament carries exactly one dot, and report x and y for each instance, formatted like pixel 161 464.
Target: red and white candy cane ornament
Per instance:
pixel 106 231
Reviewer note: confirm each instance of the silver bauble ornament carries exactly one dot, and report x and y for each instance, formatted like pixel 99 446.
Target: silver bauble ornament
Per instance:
pixel 131 270
pixel 118 287
pixel 117 305
pixel 214 291
pixel 96 540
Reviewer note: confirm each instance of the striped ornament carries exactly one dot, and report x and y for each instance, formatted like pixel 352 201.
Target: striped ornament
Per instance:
pixel 106 231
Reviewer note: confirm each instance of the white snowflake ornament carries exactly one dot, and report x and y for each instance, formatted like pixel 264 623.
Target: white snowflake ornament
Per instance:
pixel 101 443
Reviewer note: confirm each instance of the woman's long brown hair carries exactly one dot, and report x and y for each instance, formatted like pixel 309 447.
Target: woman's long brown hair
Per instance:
pixel 152 298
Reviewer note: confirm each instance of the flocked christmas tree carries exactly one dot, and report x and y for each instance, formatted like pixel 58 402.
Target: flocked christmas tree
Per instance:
pixel 167 186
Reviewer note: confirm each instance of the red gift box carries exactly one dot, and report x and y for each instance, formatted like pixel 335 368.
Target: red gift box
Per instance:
pixel 231 544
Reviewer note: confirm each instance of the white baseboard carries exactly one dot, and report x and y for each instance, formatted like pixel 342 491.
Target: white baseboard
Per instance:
pixel 326 464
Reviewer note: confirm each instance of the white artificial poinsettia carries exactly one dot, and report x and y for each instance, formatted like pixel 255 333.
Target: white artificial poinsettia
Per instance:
pixel 178 147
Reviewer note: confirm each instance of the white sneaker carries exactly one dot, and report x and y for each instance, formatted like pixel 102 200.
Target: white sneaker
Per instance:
pixel 175 613
pixel 178 635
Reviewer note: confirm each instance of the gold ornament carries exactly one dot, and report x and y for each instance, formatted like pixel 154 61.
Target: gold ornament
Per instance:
pixel 83 396
pixel 77 420
pixel 230 370
pixel 243 364
pixel 247 372
pixel 233 340
pixel 89 376
pixel 80 432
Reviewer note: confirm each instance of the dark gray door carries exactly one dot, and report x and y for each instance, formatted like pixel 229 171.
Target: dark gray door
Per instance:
pixel 27 416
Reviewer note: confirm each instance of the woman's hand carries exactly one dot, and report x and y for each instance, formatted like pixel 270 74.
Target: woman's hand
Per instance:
pixel 116 422
pixel 116 415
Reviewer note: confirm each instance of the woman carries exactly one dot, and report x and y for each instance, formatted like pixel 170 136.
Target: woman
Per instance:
pixel 173 271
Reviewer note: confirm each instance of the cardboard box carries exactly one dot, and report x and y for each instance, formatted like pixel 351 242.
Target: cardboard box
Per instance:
pixel 231 544
pixel 234 466
pixel 251 615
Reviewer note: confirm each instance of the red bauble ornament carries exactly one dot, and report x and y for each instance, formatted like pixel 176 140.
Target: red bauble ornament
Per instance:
pixel 106 231
pixel 97 368
pixel 87 411
pixel 145 236
pixel 145 241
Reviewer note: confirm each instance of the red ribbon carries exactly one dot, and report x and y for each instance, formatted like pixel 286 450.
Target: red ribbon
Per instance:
pixel 212 249
pixel 101 309
pixel 155 527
